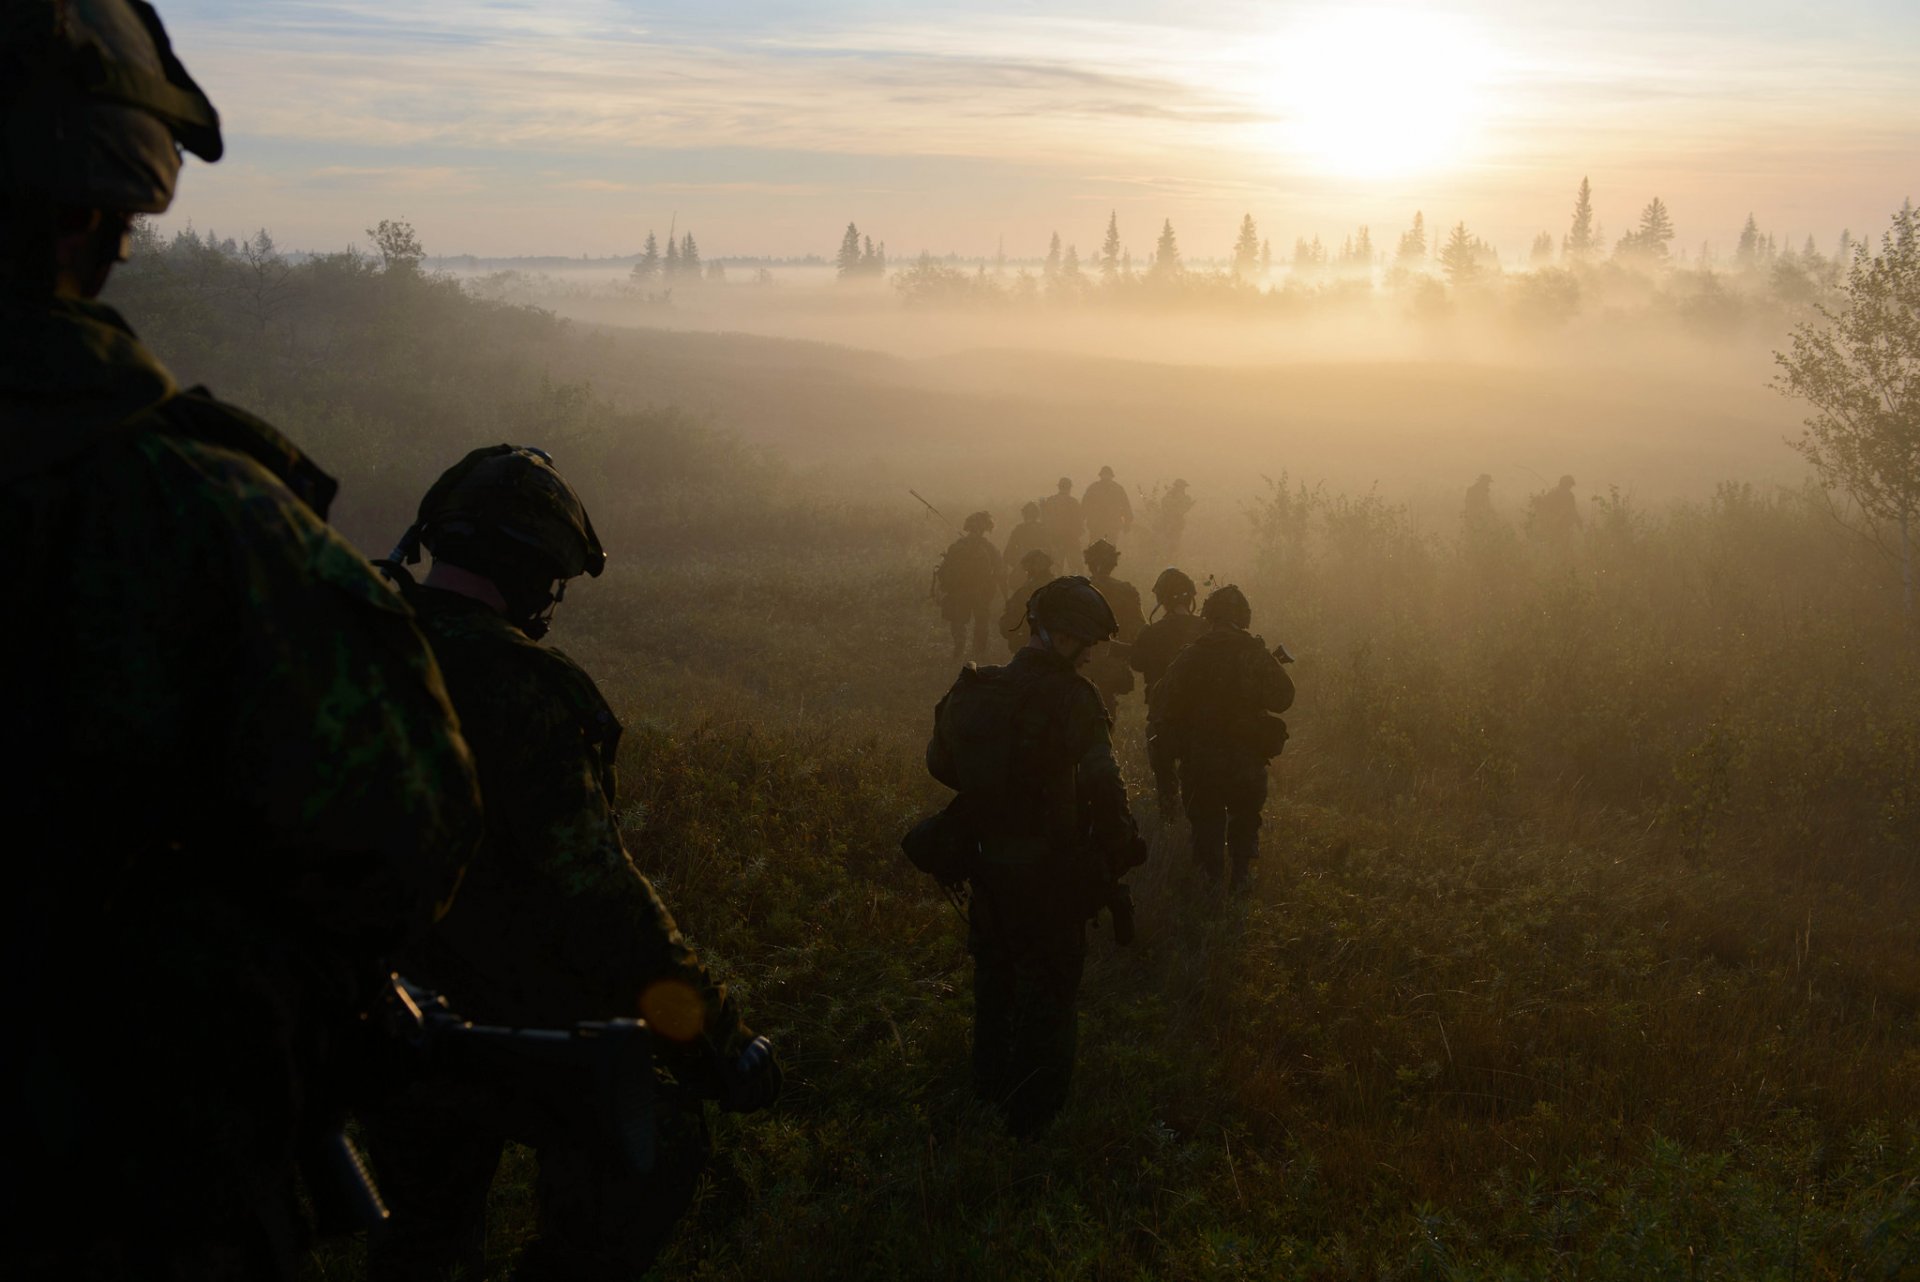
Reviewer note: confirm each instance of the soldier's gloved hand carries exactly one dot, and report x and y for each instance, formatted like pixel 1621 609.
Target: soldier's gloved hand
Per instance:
pixel 751 1079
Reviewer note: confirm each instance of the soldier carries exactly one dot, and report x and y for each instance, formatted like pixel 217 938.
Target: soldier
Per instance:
pixel 1109 512
pixel 1174 506
pixel 241 783
pixel 970 577
pixel 1554 518
pixel 1109 669
pixel 1476 514
pixel 1024 537
pixel 1013 620
pixel 1220 702
pixel 1153 653
pixel 554 923
pixel 1027 750
pixel 1060 513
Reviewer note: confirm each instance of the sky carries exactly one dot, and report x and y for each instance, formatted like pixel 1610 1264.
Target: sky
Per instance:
pixel 504 128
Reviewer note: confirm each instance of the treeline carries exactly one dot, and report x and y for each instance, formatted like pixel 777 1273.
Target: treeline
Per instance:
pixel 680 263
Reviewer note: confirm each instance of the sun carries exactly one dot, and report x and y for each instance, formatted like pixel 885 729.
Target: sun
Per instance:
pixel 1378 93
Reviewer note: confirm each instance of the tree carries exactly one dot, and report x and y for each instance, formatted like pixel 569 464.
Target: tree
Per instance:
pixel 1542 249
pixel 1110 248
pixel 1413 242
pixel 649 265
pixel 670 268
pixel 846 263
pixel 1859 367
pixel 397 243
pixel 1460 256
pixel 1246 249
pixel 689 257
pixel 1266 258
pixel 1649 240
pixel 1052 269
pixel 1580 237
pixel 1166 252
pixel 1747 254
pixel 1070 266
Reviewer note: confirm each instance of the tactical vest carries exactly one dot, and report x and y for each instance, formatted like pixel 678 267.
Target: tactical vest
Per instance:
pixel 1005 727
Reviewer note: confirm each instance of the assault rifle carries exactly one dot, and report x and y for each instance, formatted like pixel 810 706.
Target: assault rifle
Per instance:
pixel 594 1079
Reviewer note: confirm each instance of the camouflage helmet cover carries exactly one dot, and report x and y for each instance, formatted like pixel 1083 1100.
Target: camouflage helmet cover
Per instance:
pixel 1228 604
pixel 1073 607
pixel 1101 552
pixel 513 491
pixel 97 105
pixel 978 522
pixel 1037 561
pixel 1174 585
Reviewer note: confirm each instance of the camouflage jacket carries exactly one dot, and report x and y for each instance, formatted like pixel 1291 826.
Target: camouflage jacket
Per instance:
pixel 1022 539
pixel 1159 642
pixel 1027 746
pixel 554 923
pixel 971 569
pixel 1218 693
pixel 204 650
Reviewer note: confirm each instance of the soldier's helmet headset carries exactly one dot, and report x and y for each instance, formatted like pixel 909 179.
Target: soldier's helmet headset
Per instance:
pixel 504 512
pixel 1172 586
pixel 1071 607
pixel 97 110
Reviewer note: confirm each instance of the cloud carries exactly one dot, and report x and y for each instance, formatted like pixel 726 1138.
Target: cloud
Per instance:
pixel 397 179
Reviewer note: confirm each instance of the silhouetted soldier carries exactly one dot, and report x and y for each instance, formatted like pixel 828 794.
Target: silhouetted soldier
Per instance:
pixel 1038 567
pixel 1174 506
pixel 1555 516
pixel 1061 514
pixel 970 581
pixel 1023 538
pixel 1153 653
pixel 1476 514
pixel 1109 669
pixel 1220 700
pixel 1108 511
pixel 554 924
pixel 239 783
pixel 1041 800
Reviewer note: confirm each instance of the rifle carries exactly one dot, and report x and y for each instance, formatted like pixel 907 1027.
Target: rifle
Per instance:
pixel 930 507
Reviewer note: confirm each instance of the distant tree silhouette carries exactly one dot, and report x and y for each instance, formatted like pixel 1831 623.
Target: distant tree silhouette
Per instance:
pixel 1542 248
pixel 393 238
pixel 1859 367
pixel 649 264
pixel 1649 240
pixel 670 266
pixel 1052 269
pixel 689 257
pixel 1166 252
pixel 1246 248
pixel 1266 258
pixel 1110 249
pixel 1460 256
pixel 1581 237
pixel 1070 266
pixel 1413 242
pixel 1309 256
pixel 846 263
pixel 1747 253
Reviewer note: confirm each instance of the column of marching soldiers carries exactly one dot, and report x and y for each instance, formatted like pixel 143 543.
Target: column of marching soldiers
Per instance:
pixel 259 779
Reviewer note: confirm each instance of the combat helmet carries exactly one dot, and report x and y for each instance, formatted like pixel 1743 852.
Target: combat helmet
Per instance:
pixel 1036 560
pixel 1101 553
pixel 1173 585
pixel 1030 511
pixel 1227 604
pixel 97 108
pixel 978 523
pixel 1106 474
pixel 1072 607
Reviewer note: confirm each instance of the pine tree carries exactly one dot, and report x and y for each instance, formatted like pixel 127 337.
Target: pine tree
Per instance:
pixel 1266 258
pixel 1656 229
pixel 689 257
pixel 1747 254
pixel 880 260
pixel 649 265
pixel 1166 252
pixel 670 269
pixel 846 263
pixel 1543 248
pixel 1413 242
pixel 1070 265
pixel 1460 256
pixel 1126 264
pixel 869 261
pixel 1052 269
pixel 1580 239
pixel 1363 247
pixel 1110 248
pixel 1246 249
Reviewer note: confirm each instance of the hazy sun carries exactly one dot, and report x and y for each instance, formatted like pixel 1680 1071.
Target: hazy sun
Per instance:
pixel 1379 93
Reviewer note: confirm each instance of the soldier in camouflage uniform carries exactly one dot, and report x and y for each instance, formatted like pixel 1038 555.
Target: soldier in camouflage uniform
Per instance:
pixel 1109 669
pixel 1152 654
pixel 1038 567
pixel 969 580
pixel 1066 523
pixel 554 923
pixel 1024 538
pixel 240 782
pixel 1026 747
pixel 1108 510
pixel 1220 702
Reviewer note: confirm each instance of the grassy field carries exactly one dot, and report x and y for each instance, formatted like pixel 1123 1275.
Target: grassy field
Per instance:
pixel 1584 945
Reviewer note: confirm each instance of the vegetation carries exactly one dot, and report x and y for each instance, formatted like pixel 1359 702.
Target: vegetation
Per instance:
pixel 1584 945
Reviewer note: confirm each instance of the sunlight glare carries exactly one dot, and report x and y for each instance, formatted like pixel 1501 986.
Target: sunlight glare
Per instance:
pixel 1379 93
